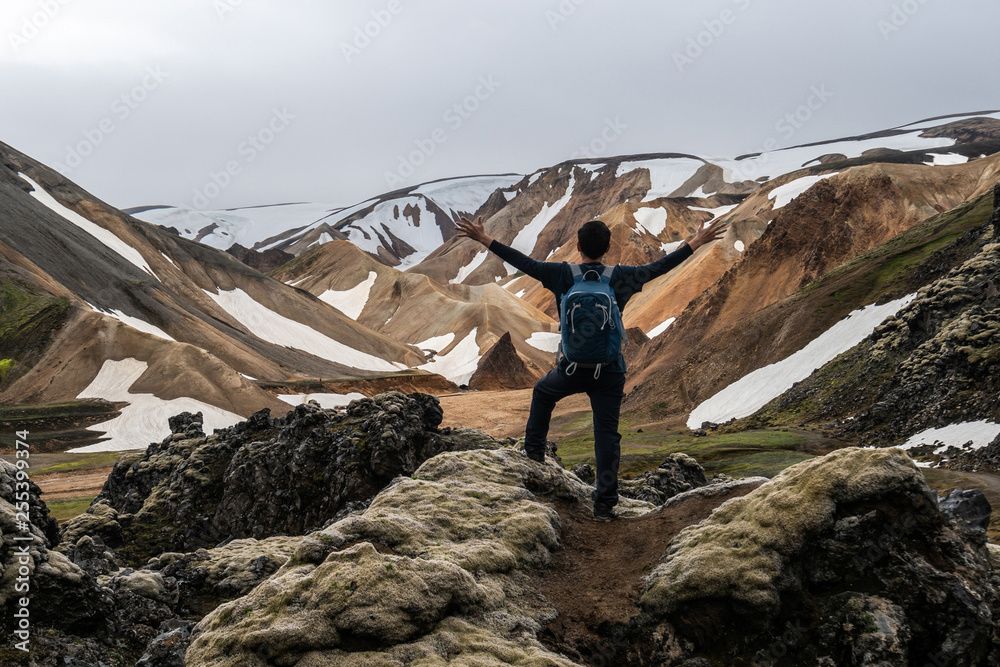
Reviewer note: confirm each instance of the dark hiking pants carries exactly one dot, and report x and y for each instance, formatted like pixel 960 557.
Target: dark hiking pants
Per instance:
pixel 606 394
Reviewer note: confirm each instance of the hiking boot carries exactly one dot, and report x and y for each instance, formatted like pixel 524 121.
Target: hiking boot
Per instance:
pixel 604 512
pixel 538 457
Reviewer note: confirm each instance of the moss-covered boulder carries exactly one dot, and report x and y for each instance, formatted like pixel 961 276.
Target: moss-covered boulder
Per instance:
pixel 356 598
pixel 432 572
pixel 801 549
pixel 207 576
pixel 88 613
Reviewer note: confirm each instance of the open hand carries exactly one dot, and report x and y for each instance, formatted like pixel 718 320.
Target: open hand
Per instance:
pixel 712 232
pixel 473 230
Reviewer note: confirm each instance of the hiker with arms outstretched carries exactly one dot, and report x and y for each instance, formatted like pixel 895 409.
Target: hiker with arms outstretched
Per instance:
pixel 591 297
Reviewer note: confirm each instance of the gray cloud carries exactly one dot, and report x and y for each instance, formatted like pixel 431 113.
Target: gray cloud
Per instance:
pixel 712 78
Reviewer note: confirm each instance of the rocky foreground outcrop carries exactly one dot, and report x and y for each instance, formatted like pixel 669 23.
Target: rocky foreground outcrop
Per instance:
pixel 847 557
pixel 844 559
pixel 265 476
pixel 841 560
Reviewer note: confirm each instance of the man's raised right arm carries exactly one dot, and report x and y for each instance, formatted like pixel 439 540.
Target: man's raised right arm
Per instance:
pixel 542 271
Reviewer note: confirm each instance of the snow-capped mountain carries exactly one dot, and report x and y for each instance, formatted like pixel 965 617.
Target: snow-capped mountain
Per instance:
pixel 140 313
pixel 401 228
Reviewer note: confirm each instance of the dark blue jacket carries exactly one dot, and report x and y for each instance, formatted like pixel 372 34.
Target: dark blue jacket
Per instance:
pixel 626 280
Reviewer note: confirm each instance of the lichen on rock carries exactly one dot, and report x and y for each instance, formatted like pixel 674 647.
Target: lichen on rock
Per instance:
pixel 441 582
pixel 850 522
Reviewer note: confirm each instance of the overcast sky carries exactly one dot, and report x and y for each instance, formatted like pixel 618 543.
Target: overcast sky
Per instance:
pixel 223 103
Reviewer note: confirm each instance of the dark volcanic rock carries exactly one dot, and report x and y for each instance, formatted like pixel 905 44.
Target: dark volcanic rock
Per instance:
pixel 585 472
pixel 262 261
pixel 38 512
pixel 267 476
pixel 187 424
pixel 938 360
pixel 935 363
pixel 677 473
pixel 984 459
pixel 502 368
pixel 969 508
pixel 83 610
pixel 167 649
pixel 995 220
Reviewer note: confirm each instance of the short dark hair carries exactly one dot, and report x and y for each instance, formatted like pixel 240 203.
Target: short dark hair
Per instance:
pixel 594 238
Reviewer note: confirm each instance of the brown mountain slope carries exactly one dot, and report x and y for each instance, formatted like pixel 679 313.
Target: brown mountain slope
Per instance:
pixel 742 324
pixel 502 368
pixel 412 308
pixel 120 277
pixel 834 221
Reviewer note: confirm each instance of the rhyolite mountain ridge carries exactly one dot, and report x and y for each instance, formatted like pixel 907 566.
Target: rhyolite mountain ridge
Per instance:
pixel 370 535
pixel 99 304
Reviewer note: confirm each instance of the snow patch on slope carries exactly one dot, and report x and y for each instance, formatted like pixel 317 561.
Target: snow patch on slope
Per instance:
pixel 661 327
pixel 755 390
pixel 144 419
pixel 784 195
pixel 653 220
pixel 459 363
pixel 246 226
pixel 775 163
pixel 545 341
pixel 134 322
pixel 268 325
pixel 665 174
pixel 716 212
pixel 528 236
pixel 945 159
pixel 127 252
pixel 376 229
pixel 593 168
pixel 467 270
pixel 980 434
pixel 352 301
pixel 466 195
pixel 436 343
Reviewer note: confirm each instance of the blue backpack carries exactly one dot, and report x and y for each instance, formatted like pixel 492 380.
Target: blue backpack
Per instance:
pixel 591 323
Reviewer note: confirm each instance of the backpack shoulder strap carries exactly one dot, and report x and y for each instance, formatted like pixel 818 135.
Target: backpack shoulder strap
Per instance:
pixel 608 270
pixel 577 272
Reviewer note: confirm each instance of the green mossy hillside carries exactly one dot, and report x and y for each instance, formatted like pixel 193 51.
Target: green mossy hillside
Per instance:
pixel 28 320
